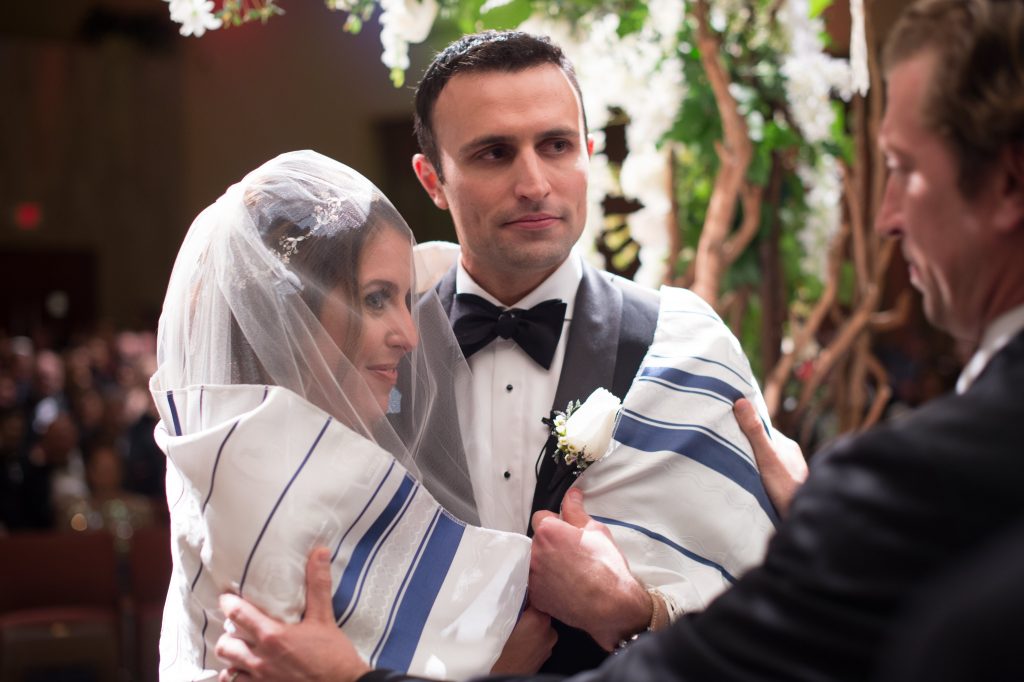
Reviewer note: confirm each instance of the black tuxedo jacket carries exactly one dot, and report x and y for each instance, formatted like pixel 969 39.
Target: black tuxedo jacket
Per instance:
pixel 881 514
pixel 612 327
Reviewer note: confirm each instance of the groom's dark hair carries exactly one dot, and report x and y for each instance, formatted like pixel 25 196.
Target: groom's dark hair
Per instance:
pixel 507 51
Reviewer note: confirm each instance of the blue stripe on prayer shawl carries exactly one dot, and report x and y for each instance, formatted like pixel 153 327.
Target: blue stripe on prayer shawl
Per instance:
pixel 427 579
pixel 400 594
pixel 699 444
pixel 387 475
pixel 192 588
pixel 661 538
pixel 677 426
pixel 351 585
pixel 216 461
pixel 713 362
pixel 266 524
pixel 702 359
pixel 673 387
pixel 697 382
pixel 174 413
pixel 202 635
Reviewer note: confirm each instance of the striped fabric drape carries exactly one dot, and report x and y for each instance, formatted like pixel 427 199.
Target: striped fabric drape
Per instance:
pixel 680 489
pixel 258 477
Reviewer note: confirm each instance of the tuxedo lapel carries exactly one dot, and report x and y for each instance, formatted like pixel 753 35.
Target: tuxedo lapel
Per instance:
pixel 591 353
pixel 446 290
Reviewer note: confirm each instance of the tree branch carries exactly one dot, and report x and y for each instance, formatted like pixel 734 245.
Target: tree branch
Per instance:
pixel 734 153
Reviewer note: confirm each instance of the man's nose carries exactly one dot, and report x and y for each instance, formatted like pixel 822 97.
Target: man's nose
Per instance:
pixel 888 221
pixel 531 177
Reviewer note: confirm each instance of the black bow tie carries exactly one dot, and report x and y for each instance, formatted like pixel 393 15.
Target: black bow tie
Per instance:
pixel 477 322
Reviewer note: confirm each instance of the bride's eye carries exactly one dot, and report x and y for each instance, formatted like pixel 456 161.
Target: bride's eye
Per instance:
pixel 376 300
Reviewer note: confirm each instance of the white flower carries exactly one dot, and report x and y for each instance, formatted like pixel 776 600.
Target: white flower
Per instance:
pixel 195 16
pixel 653 266
pixel 403 22
pixel 823 184
pixel 585 434
pixel 811 74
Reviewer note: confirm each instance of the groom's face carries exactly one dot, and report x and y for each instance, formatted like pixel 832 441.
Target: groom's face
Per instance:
pixel 515 160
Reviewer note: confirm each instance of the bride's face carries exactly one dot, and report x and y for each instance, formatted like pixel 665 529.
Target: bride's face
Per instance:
pixel 386 331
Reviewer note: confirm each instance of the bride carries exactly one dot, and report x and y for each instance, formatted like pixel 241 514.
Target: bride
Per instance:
pixel 306 394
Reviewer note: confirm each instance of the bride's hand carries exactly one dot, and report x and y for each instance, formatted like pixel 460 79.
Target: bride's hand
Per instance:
pixel 528 646
pixel 261 648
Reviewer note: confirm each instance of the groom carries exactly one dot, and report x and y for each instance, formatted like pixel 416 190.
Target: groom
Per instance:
pixel 505 149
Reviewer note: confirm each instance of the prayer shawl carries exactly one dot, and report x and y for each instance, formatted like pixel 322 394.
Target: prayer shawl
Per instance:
pixel 257 477
pixel 680 490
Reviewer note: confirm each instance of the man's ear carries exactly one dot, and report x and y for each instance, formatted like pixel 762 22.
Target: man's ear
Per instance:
pixel 590 145
pixel 1009 215
pixel 428 178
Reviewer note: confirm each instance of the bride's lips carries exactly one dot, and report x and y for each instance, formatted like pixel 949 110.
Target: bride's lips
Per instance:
pixel 533 221
pixel 386 373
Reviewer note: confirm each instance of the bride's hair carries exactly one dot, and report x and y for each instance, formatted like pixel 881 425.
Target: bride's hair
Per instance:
pixel 329 261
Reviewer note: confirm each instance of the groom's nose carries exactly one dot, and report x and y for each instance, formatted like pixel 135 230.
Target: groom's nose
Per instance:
pixel 531 176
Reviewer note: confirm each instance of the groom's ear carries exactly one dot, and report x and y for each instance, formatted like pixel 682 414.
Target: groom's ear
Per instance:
pixel 428 178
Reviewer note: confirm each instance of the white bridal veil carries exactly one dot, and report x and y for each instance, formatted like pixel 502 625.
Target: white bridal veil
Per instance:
pixel 266 290
pixel 306 395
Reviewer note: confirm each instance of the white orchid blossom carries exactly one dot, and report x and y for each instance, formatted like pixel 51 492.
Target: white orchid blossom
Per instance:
pixel 195 16
pixel 402 23
pixel 823 184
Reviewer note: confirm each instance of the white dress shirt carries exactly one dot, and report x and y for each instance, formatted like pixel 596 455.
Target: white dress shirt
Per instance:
pixel 998 334
pixel 509 395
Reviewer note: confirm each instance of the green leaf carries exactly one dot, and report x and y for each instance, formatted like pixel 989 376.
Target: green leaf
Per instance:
pixel 819 6
pixel 760 166
pixel 506 16
pixel 353 24
pixel 632 20
pixel 468 18
pixel 841 143
pixel 397 77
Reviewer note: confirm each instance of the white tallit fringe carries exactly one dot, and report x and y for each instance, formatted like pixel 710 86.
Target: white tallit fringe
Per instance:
pixel 680 488
pixel 257 477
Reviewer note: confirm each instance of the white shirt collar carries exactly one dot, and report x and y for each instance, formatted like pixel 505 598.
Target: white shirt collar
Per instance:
pixel 997 335
pixel 560 284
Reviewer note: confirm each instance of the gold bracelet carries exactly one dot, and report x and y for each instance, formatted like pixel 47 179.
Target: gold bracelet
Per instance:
pixel 623 643
pixel 654 608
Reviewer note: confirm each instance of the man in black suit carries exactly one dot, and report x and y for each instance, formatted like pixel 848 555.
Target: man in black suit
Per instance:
pixel 885 512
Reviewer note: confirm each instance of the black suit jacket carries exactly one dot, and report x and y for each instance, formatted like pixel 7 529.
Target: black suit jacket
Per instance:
pixel 880 515
pixel 612 327
pixel 969 624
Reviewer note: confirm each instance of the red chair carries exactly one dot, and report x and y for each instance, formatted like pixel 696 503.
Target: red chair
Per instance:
pixel 149 567
pixel 59 601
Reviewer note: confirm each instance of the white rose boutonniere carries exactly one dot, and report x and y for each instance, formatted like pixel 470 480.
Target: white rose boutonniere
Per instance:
pixel 584 432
